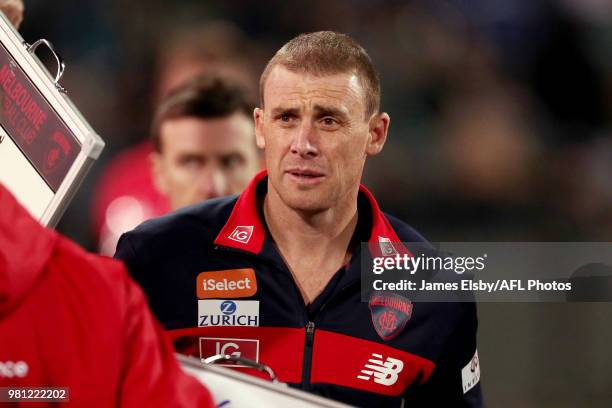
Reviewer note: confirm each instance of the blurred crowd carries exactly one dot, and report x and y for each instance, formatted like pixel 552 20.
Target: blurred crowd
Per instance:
pixel 500 110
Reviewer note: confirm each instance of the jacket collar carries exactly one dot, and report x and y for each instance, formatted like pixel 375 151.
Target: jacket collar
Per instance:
pixel 245 231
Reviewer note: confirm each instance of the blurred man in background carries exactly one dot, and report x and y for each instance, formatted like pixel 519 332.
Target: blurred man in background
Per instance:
pixel 204 141
pixel 126 193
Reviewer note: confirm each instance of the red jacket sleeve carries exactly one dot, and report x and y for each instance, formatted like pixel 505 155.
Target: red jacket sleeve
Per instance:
pixel 150 374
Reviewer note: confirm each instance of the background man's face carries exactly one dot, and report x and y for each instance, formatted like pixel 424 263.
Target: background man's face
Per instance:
pixel 205 158
pixel 315 136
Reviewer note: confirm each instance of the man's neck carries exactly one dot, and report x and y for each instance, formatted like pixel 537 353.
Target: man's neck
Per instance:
pixel 313 244
pixel 295 229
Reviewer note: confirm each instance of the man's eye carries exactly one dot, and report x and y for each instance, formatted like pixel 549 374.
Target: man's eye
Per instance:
pixel 191 162
pixel 286 117
pixel 232 161
pixel 329 121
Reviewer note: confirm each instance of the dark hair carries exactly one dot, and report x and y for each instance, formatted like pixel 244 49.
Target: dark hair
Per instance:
pixel 327 52
pixel 205 96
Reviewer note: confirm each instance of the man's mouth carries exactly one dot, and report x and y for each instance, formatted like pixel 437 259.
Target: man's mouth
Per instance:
pixel 305 175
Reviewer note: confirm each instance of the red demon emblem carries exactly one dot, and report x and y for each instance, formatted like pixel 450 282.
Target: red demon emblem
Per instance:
pixel 390 313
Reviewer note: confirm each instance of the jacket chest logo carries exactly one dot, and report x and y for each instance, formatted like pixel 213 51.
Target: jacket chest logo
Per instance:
pixel 230 283
pixel 383 371
pixel 242 234
pixel 390 313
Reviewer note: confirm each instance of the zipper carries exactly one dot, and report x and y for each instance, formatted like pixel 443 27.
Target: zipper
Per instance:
pixel 308 344
pixel 310 325
pixel 307 364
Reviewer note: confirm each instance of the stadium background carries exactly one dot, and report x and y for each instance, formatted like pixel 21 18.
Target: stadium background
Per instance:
pixel 501 131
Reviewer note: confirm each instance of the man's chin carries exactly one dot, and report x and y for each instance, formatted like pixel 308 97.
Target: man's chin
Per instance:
pixel 305 201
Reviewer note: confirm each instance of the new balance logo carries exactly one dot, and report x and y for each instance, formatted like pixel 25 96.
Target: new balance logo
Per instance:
pixel 384 372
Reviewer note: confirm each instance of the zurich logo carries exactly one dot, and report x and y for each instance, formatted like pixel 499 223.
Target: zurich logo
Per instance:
pixel 228 307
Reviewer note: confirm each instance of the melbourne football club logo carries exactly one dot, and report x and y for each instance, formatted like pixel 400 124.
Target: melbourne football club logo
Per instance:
pixel 58 152
pixel 390 313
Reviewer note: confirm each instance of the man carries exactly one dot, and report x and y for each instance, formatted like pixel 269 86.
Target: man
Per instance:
pixel 72 319
pixel 274 275
pixel 203 140
pixel 203 147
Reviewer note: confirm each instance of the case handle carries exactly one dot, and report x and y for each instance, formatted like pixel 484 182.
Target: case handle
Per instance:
pixel 31 48
pixel 220 358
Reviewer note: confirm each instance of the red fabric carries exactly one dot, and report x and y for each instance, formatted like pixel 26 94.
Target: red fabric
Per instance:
pixel 279 347
pixel 77 320
pixel 338 359
pixel 245 214
pixel 129 174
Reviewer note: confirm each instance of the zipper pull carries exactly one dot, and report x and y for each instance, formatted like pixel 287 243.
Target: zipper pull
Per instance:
pixel 310 328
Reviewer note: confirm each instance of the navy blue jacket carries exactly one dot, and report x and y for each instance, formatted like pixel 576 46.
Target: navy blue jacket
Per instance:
pixel 215 279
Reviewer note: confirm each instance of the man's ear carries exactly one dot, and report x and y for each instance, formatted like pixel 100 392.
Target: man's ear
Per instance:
pixel 158 172
pixel 258 117
pixel 379 126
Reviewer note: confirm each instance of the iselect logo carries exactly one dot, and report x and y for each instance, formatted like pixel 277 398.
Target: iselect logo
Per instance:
pixel 230 283
pixel 228 313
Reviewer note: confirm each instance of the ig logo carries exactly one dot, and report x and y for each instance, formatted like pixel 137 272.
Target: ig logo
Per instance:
pixel 386 247
pixel 242 233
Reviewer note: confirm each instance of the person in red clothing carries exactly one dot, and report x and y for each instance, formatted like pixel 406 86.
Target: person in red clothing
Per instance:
pixel 73 319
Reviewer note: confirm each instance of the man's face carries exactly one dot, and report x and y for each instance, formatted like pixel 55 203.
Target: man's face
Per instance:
pixel 316 137
pixel 205 158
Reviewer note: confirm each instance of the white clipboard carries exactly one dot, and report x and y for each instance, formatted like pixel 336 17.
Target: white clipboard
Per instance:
pixel 46 146
pixel 232 389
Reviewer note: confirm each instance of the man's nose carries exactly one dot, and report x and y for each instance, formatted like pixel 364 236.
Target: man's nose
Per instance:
pixel 213 183
pixel 304 141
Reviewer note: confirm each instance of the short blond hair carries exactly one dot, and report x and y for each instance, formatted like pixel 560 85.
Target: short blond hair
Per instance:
pixel 325 53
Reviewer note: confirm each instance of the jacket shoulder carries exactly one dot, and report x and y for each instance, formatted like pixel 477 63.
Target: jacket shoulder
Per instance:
pixel 191 227
pixel 404 231
pixel 171 237
pixel 91 278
